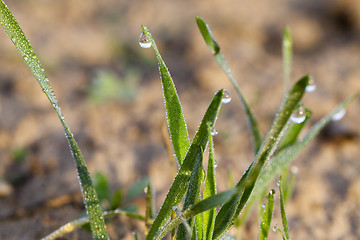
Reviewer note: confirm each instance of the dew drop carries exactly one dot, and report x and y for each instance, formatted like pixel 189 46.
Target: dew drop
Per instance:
pixel 144 41
pixel 311 86
pixel 226 96
pixel 145 189
pixel 339 115
pixel 272 192
pixel 275 228
pixel 299 115
pixel 213 131
pixel 215 163
pixel 294 170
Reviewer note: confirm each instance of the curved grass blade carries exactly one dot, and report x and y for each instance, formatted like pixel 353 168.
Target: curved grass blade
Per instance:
pixel 78 223
pixel 285 156
pixel 282 211
pixel 175 116
pixel 227 216
pixel 209 190
pixel 181 181
pixel 220 59
pixel 276 228
pixel 267 216
pixel 22 44
pixel 287 55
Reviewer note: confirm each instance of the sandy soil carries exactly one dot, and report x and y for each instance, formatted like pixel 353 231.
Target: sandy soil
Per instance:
pixel 120 136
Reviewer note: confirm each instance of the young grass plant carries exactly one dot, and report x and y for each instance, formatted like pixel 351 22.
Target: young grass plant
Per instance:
pixel 198 218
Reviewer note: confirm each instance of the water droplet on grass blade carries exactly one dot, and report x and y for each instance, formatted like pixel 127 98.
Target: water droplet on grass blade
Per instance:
pixel 299 115
pixel 144 41
pixel 213 131
pixel 215 163
pixel 339 115
pixel 311 86
pixel 294 170
pixel 226 96
pixel 272 192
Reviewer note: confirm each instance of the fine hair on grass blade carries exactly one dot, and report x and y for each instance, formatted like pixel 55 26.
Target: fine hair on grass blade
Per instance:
pixel 220 59
pixel 267 216
pixel 22 44
pixel 181 181
pixel 175 116
pixel 227 216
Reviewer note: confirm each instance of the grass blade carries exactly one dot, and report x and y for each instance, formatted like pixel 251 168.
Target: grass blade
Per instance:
pixel 285 156
pixel 287 55
pixel 22 44
pixel 293 130
pixel 267 216
pixel 227 215
pixel 181 181
pixel 282 211
pixel 175 116
pixel 193 193
pixel 149 211
pixel 200 207
pixel 209 190
pixel 220 59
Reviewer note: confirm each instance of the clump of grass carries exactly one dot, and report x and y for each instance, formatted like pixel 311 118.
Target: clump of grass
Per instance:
pixel 197 218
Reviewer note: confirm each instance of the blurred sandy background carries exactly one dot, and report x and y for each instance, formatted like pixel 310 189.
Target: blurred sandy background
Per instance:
pixel 110 93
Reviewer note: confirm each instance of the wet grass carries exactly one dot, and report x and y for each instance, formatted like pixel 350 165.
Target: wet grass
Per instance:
pixel 188 211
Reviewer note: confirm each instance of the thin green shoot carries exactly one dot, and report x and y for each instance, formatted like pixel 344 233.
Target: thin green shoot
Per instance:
pixel 23 46
pixel 287 57
pixel 267 216
pixel 220 59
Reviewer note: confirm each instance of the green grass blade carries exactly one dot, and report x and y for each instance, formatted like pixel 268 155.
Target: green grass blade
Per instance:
pixel 181 181
pixel 22 44
pixel 209 190
pixel 116 199
pixel 102 188
pixel 227 216
pixel 282 211
pixel 287 55
pixel 220 59
pixel 293 130
pixel 285 156
pixel 175 116
pixel 200 207
pixel 149 211
pixel 193 193
pixel 267 216
pixel 276 228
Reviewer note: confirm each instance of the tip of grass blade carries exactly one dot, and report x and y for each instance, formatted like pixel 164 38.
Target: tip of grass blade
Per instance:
pixel 207 35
